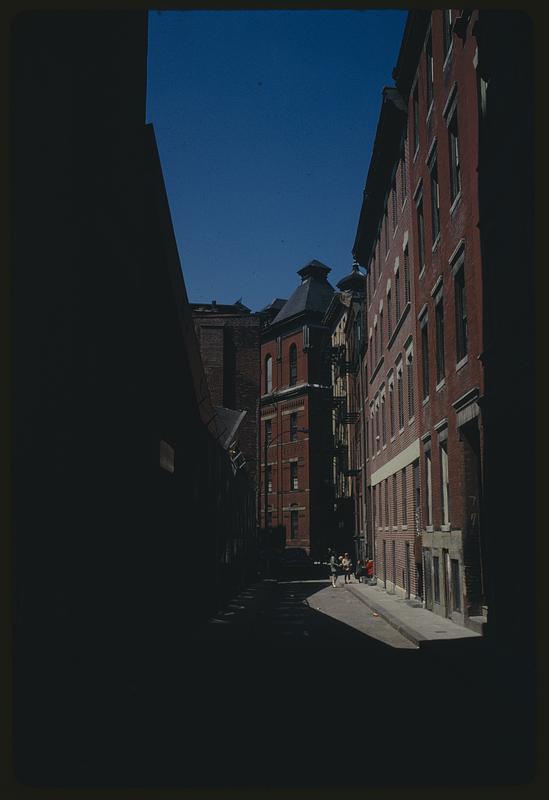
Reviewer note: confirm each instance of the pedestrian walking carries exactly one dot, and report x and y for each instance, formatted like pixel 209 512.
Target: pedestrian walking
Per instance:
pixel 332 562
pixel 347 566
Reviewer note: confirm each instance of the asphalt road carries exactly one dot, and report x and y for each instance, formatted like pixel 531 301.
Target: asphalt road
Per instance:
pixel 298 685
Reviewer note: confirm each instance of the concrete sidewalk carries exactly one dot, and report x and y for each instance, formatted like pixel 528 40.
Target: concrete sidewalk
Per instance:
pixel 410 619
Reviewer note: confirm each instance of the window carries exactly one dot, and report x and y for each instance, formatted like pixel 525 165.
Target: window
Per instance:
pixel 439 330
pixel 417 495
pixel 420 233
pixel 456 588
pixel 366 438
pixel 425 354
pixel 461 313
pixel 389 320
pixel 293 475
pixel 436 578
pixel 430 71
pixel 393 546
pixel 428 473
pixel 394 204
pixel 293 523
pixel 444 482
pixel 386 491
pixel 403 182
pixel 395 500
pixel 400 399
pixel 404 499
pixel 455 178
pixel 269 519
pixel 381 333
pixel 435 203
pixel 397 295
pixel 410 377
pixel 416 118
pixel 293 426
pixel 406 276
pixel 269 478
pixel 378 438
pixel 383 425
pixel 375 345
pixel 268 431
pixel 391 409
pixel 386 231
pixel 446 32
pixel 293 365
pixel 268 374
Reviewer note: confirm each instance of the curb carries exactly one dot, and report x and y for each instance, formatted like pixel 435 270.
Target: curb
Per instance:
pixel 409 633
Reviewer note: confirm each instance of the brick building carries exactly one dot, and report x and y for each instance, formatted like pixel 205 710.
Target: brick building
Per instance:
pixel 228 337
pixel 345 329
pixel 391 405
pixel 436 73
pixel 295 415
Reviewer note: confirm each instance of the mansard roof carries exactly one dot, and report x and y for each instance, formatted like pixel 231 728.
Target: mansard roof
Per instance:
pixel 312 296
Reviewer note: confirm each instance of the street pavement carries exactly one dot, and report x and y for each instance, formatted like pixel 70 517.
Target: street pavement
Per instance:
pixel 290 684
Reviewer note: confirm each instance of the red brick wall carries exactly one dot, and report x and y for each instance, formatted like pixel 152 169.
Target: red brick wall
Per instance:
pixel 403 332
pixel 456 225
pixel 310 497
pixel 230 351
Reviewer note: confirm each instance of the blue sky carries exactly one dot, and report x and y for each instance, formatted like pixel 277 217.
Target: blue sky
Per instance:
pixel 265 122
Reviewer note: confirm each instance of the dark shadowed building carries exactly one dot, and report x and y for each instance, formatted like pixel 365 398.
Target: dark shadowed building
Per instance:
pixel 228 336
pixel 125 491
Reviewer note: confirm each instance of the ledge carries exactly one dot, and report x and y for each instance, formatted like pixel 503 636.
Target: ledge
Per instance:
pixel 377 368
pixel 398 326
pixel 455 204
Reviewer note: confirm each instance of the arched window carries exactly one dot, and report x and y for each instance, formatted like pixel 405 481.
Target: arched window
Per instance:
pixel 268 374
pixel 293 365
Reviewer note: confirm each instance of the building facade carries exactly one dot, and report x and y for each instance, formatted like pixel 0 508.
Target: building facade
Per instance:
pixel 345 346
pixel 228 336
pixel 295 416
pixel 391 406
pixel 436 72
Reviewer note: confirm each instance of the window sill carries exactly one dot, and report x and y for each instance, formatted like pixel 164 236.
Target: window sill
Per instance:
pixel 404 527
pixel 395 527
pixel 376 370
pixel 447 58
pixel 436 243
pixel 403 206
pixel 429 528
pixel 462 363
pixel 412 419
pixel 401 430
pixel 425 400
pixel 395 231
pixel 455 203
pixel 398 325
pixel 384 448
pixel 414 159
pixel 392 439
pixel 446 528
pixel 440 385
pixel 421 272
pixel 430 112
